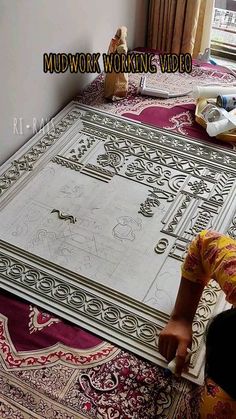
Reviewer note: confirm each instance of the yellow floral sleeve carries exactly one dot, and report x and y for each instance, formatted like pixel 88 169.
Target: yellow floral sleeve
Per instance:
pixel 216 403
pixel 212 255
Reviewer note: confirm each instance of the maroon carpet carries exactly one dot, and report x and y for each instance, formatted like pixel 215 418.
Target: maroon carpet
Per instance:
pixel 52 369
pixel 175 114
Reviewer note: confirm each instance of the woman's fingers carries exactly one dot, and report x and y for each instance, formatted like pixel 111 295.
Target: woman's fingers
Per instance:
pixel 180 357
pixel 171 348
pixel 167 346
pixel 174 341
pixel 162 345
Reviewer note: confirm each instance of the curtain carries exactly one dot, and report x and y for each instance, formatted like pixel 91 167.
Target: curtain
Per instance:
pixel 177 26
pixel 205 20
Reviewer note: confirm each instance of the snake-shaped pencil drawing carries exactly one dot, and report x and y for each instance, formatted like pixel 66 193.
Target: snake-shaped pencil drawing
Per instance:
pixel 64 216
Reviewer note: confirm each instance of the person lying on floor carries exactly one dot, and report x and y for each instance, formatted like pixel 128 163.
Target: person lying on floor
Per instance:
pixel 210 255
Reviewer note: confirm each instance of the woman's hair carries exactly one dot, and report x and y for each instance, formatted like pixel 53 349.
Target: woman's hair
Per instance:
pixel 221 351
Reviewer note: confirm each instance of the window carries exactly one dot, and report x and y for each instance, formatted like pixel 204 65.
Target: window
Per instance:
pixel 223 38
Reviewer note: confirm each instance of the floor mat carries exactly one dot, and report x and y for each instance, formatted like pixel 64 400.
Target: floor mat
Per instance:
pixel 52 369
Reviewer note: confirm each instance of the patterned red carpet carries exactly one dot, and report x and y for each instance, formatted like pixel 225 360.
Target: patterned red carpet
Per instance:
pixel 175 114
pixel 52 369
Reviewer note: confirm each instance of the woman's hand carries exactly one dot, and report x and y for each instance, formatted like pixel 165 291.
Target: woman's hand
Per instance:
pixel 174 340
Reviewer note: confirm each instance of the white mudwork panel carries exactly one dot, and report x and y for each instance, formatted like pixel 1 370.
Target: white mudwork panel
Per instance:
pixel 96 217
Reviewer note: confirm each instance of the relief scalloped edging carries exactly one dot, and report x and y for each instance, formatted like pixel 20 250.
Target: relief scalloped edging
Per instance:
pixel 78 301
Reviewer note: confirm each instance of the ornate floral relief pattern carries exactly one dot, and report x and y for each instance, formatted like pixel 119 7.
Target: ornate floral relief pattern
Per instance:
pixel 171 142
pixel 122 149
pixel 148 171
pixel 113 159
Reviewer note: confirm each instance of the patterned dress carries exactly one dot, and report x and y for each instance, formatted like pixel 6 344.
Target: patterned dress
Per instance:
pixel 212 255
pixel 216 404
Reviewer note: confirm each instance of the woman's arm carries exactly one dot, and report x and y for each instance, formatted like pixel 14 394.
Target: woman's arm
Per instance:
pixel 210 255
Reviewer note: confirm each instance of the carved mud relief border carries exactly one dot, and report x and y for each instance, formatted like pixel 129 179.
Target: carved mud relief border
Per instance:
pixel 204 313
pixel 27 161
pixel 73 297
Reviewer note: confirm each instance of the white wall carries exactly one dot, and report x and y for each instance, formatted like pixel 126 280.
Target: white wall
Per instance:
pixel 30 28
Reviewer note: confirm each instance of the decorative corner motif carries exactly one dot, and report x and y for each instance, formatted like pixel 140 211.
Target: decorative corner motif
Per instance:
pixel 28 160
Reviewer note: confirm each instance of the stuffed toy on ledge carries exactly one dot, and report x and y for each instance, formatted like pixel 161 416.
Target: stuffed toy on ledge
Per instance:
pixel 116 84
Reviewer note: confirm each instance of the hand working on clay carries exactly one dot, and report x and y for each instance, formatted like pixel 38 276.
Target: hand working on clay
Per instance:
pixel 174 342
pixel 211 255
